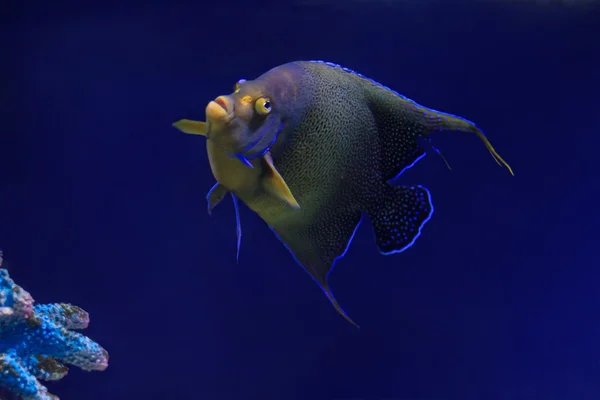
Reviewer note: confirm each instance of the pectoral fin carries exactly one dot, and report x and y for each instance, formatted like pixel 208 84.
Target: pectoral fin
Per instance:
pixel 192 127
pixel 274 184
pixel 214 196
pixel 238 226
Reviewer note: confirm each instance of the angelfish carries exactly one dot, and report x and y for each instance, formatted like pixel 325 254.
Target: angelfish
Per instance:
pixel 311 146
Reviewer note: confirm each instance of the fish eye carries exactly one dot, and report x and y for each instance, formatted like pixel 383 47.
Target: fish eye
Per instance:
pixel 263 106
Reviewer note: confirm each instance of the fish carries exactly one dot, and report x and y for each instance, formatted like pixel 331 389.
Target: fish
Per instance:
pixel 312 147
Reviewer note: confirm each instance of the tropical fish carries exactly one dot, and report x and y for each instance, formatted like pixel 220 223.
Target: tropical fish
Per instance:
pixel 311 146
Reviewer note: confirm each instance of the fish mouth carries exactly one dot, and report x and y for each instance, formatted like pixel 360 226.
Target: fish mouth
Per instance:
pixel 220 109
pixel 225 103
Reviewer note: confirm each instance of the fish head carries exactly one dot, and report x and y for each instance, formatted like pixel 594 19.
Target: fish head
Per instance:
pixel 245 123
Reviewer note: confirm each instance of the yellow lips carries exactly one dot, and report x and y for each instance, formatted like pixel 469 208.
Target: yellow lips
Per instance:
pixel 220 110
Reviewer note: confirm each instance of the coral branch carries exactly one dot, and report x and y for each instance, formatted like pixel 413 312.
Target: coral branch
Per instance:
pixel 35 341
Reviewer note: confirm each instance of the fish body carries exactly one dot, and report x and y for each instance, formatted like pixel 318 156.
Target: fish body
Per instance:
pixel 321 155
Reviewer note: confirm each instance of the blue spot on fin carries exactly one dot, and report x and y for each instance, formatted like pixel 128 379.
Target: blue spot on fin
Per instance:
pixel 399 217
pixel 318 245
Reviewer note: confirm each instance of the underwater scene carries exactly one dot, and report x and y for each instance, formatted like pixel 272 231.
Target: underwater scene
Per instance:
pixel 300 200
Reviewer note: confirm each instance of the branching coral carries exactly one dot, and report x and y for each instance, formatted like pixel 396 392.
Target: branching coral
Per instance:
pixel 35 341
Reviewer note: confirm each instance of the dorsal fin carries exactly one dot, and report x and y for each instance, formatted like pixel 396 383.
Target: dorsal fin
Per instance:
pixel 422 121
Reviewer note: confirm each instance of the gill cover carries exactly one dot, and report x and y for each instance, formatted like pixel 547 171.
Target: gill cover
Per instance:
pixel 257 119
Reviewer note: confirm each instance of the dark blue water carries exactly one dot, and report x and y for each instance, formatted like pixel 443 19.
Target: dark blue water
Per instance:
pixel 102 202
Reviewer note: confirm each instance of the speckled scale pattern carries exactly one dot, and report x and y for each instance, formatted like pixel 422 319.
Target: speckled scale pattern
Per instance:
pixel 352 137
pixel 402 123
pixel 332 162
pixel 325 165
pixel 345 138
pixel 350 146
pixel 399 220
pixel 396 132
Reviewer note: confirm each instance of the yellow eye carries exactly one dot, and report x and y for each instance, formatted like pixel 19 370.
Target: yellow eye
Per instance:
pixel 263 106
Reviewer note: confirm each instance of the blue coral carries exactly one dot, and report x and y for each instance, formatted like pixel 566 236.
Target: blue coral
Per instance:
pixel 37 340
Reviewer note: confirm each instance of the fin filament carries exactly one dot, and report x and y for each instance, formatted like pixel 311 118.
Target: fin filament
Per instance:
pixel 499 160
